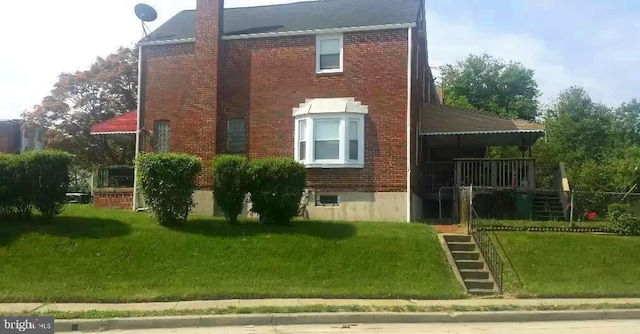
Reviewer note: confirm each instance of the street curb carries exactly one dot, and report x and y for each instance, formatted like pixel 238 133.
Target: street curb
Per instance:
pixel 338 318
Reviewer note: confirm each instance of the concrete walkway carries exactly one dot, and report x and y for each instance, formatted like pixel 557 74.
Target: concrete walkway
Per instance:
pixel 203 305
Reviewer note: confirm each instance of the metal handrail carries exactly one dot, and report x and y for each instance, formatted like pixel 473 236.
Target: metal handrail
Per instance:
pixel 488 250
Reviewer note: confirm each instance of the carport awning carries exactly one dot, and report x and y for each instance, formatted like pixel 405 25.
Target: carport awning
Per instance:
pixel 123 124
pixel 447 126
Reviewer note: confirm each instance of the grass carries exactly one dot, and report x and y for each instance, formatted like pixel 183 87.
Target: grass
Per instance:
pixel 322 309
pixel 554 224
pixel 94 255
pixel 570 265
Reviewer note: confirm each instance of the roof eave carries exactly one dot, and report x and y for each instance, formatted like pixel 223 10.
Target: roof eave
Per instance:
pixel 290 33
pixel 114 133
pixel 480 132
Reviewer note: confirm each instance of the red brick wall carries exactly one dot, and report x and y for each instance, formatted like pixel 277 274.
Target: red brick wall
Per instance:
pixel 277 74
pixel 114 200
pixel 264 79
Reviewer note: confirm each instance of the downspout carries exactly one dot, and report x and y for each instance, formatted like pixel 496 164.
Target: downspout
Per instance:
pixel 135 170
pixel 409 60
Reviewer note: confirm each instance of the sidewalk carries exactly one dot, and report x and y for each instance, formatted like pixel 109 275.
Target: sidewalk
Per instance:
pixel 252 303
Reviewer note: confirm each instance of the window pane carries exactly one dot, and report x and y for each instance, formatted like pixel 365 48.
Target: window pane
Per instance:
pixel 353 130
pixel 330 46
pixel 161 136
pixel 328 129
pixel 302 140
pixel 236 135
pixel 353 140
pixel 302 150
pixel 353 150
pixel 302 130
pixel 327 149
pixel 328 62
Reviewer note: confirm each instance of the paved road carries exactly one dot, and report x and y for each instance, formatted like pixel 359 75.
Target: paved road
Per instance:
pixel 574 327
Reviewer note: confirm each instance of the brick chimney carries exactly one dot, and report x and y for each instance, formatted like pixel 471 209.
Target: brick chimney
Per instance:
pixel 207 54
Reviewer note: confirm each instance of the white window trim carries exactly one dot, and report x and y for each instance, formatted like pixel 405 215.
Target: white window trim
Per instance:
pixel 320 38
pixel 343 161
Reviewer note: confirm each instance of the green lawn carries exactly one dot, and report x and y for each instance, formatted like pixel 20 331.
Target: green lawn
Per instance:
pixel 88 254
pixel 570 265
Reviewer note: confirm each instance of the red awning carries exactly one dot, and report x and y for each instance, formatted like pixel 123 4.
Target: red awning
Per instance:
pixel 123 124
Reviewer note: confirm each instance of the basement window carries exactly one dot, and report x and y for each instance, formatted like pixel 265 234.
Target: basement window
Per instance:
pixel 328 200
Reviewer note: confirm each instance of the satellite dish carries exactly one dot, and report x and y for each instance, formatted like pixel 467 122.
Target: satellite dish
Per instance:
pixel 145 12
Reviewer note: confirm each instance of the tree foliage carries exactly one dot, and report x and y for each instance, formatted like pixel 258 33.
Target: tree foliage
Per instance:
pixel 82 99
pixel 490 84
pixel 593 140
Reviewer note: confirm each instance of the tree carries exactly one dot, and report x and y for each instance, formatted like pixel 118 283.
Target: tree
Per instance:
pixel 628 118
pixel 578 129
pixel 82 99
pixel 487 83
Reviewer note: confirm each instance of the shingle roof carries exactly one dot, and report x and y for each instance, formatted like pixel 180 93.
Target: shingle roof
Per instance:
pixel 443 120
pixel 299 16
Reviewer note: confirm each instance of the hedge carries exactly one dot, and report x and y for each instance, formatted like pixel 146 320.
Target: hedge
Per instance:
pixel 37 179
pixel 168 181
pixel 276 189
pixel 230 184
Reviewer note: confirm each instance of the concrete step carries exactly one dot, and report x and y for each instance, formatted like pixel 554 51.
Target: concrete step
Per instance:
pixel 479 284
pixel 457 238
pixel 474 274
pixel 469 264
pixel 461 246
pixel 481 292
pixel 465 255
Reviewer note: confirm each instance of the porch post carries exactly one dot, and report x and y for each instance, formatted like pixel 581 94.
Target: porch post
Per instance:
pixel 458 173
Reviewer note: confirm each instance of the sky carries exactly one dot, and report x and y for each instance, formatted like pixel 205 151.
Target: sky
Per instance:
pixel 590 43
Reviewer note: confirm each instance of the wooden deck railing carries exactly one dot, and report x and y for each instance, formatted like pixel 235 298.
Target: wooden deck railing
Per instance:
pixel 496 173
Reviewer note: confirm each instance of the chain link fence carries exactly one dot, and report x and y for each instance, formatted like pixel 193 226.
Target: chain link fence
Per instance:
pixel 540 205
pixel 594 205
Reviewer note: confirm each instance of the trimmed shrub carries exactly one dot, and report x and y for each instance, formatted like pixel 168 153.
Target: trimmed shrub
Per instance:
pixel 9 186
pixel 168 181
pixel 626 224
pixel 230 184
pixel 276 189
pixel 48 173
pixel 616 209
pixel 37 179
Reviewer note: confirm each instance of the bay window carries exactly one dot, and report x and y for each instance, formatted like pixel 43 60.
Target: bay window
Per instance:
pixel 329 133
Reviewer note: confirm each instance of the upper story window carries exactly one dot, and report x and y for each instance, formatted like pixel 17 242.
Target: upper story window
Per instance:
pixel 329 133
pixel 161 136
pixel 235 135
pixel 329 53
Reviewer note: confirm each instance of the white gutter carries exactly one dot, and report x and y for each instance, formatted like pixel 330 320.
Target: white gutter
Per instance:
pixel 480 132
pixel 135 170
pixel 292 33
pixel 408 144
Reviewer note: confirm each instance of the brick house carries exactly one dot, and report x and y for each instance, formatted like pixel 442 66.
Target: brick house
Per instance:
pixel 335 84
pixel 342 86
pixel 17 137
